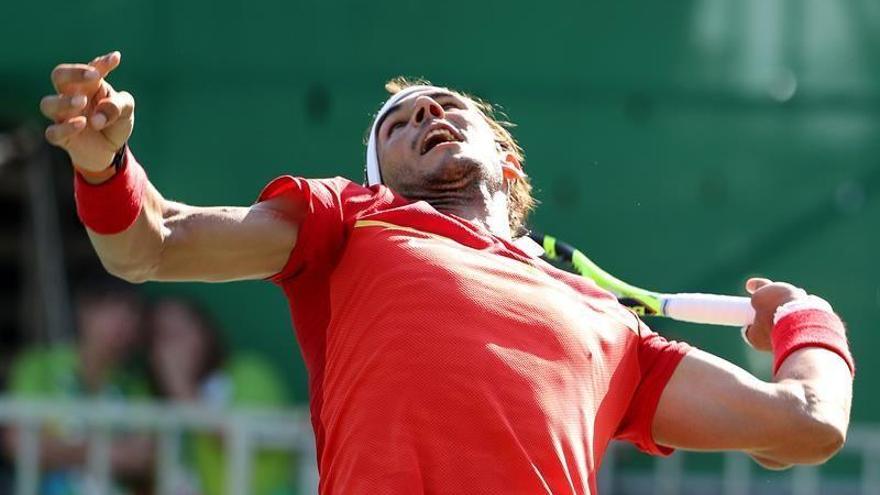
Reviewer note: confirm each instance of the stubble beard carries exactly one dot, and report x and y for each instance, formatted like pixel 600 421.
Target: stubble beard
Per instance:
pixel 458 184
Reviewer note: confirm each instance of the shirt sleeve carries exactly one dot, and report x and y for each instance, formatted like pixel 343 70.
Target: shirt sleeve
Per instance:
pixel 658 359
pixel 329 208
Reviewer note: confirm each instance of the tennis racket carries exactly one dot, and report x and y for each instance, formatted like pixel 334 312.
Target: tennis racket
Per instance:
pixel 696 308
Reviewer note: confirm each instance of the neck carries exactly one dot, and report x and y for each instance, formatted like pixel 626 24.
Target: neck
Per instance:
pixel 465 190
pixel 479 205
pixel 490 214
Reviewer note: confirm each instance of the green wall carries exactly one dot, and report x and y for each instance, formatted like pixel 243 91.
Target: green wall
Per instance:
pixel 683 145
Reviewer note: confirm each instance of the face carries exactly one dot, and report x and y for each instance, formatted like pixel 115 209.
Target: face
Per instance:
pixel 177 335
pixel 436 142
pixel 110 324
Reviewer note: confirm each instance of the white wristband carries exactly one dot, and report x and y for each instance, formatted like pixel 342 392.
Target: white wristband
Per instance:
pixel 809 302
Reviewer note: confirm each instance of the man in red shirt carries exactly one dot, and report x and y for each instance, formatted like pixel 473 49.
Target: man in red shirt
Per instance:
pixel 443 355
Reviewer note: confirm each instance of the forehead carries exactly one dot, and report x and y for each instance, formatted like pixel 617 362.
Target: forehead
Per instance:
pixel 408 95
pixel 405 98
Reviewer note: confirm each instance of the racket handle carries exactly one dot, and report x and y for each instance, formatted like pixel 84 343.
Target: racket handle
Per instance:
pixel 710 308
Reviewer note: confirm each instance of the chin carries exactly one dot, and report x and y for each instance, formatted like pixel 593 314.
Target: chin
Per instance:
pixel 454 167
pixel 439 173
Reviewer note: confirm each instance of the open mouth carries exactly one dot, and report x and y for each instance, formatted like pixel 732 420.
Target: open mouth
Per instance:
pixel 437 135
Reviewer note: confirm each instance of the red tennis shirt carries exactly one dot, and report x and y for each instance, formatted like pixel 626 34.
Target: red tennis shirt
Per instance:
pixel 445 360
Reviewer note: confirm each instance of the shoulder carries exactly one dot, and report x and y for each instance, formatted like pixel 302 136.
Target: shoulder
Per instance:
pixel 336 193
pixel 292 185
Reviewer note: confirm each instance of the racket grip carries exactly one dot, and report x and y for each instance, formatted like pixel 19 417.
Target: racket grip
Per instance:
pixel 710 308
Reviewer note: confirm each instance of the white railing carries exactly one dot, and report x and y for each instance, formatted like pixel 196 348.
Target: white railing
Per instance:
pixel 741 476
pixel 247 431
pixel 244 432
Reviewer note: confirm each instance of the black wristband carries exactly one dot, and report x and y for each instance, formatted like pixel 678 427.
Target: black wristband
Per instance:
pixel 119 157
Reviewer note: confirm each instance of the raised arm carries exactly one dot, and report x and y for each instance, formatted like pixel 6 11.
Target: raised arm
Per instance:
pixel 176 242
pixel 800 418
pixel 143 236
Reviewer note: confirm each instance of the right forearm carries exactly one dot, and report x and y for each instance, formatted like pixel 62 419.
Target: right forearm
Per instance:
pixel 133 254
pixel 124 220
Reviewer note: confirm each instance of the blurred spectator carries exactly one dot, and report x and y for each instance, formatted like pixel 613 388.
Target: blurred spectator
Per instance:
pixel 188 363
pixel 108 321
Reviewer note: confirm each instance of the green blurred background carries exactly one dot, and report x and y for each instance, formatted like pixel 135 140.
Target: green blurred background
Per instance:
pixel 684 145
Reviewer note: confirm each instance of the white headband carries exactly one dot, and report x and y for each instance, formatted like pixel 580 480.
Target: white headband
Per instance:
pixel 374 175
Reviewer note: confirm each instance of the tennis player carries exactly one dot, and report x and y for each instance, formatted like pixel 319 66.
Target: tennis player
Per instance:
pixel 443 355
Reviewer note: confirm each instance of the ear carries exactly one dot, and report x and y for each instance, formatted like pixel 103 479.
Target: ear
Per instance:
pixel 511 168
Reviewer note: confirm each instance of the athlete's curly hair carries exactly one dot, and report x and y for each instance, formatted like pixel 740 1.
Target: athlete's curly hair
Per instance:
pixel 519 198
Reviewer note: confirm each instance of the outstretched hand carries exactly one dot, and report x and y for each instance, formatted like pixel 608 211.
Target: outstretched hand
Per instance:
pixel 92 120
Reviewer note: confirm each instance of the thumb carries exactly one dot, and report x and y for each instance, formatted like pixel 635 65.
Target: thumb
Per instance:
pixel 753 284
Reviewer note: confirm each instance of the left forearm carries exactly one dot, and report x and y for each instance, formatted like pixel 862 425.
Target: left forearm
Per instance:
pixel 813 371
pixel 815 384
pixel 711 405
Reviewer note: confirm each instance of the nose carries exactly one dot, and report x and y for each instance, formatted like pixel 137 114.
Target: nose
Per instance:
pixel 425 107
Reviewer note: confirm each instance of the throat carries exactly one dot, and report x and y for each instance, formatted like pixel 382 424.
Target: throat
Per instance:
pixel 464 189
pixel 473 203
